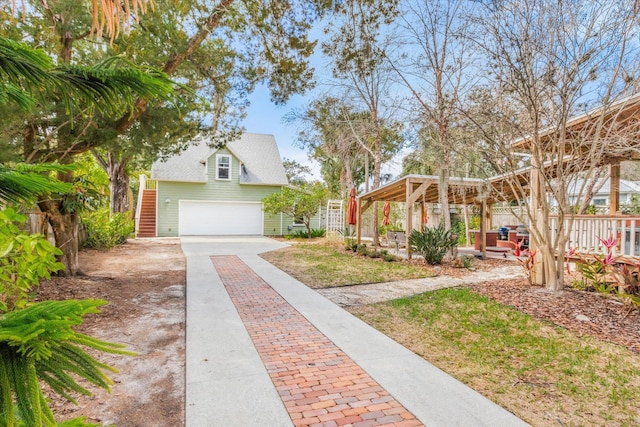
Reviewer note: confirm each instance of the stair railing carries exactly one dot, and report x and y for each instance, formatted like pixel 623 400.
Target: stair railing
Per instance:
pixel 141 188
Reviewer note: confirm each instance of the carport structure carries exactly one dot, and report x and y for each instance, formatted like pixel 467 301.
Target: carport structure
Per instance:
pixel 604 126
pixel 422 189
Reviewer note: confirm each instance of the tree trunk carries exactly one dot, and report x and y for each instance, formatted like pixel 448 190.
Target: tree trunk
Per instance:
pixel 467 233
pixel 443 184
pixel 116 169
pixel 118 185
pixel 65 231
pixel 444 196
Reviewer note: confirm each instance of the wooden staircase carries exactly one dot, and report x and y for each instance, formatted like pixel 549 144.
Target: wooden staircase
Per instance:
pixel 147 225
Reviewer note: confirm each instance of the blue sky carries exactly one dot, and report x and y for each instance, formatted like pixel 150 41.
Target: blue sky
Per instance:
pixel 265 117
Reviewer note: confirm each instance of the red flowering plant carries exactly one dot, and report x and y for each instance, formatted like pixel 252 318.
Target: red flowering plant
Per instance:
pixel 608 273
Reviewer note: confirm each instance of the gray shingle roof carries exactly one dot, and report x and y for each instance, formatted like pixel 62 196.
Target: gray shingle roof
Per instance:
pixel 258 153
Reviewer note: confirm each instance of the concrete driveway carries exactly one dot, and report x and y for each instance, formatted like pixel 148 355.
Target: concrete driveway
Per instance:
pixel 229 385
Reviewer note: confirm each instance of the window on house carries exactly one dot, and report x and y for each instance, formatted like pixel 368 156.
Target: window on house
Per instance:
pixel 600 202
pixel 223 162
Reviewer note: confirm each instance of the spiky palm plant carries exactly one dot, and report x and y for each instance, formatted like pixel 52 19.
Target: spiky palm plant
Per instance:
pixel 39 343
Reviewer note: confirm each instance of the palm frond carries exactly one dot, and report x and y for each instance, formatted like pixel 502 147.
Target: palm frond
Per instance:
pixel 111 86
pixel 22 64
pixel 26 182
pixel 39 343
pixel 23 70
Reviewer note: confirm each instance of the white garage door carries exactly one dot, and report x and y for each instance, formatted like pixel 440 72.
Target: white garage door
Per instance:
pixel 219 218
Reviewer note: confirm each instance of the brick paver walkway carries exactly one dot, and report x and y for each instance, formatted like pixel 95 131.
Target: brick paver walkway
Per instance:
pixel 318 383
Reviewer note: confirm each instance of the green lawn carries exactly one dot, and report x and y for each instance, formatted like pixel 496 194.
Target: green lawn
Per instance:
pixel 541 372
pixel 322 266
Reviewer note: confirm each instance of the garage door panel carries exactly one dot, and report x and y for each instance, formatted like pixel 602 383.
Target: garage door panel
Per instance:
pixel 220 218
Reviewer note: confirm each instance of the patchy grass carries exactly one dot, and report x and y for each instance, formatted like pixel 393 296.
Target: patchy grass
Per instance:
pixel 322 266
pixel 540 372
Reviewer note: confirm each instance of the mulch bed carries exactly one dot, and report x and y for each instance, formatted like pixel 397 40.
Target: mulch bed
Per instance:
pixel 608 319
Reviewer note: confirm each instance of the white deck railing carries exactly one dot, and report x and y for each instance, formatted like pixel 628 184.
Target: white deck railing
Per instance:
pixel 587 228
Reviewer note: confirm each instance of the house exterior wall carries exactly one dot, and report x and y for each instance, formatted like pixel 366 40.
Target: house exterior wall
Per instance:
pixel 318 221
pixel 170 192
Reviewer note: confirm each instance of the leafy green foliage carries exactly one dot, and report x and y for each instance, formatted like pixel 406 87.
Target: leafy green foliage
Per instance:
pixel 105 230
pixel 465 261
pixel 299 202
pixel 24 182
pixel 22 67
pixel 332 128
pixel 111 86
pixel 349 236
pixel 433 243
pixel 24 260
pixel 37 340
pixel 632 207
pixel 303 234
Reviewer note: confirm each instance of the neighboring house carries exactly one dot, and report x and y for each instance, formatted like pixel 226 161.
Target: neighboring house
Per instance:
pixel 208 191
pixel 628 189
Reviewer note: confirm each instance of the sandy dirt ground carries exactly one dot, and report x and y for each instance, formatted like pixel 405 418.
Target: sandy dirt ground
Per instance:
pixel 144 283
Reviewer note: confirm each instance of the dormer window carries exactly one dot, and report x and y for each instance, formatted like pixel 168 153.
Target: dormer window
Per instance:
pixel 223 167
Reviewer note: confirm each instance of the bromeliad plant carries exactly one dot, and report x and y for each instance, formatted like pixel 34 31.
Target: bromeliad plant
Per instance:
pixel 607 274
pixel 37 341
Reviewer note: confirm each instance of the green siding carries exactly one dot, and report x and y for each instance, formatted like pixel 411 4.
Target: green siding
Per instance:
pixel 170 192
pixel 317 221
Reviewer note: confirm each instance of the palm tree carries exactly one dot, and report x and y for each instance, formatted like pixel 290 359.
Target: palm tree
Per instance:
pixel 110 16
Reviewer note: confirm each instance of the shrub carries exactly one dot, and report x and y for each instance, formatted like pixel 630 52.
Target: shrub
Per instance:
pixel 389 257
pixel 362 249
pixel 303 234
pixel 351 245
pixel 374 254
pixel 607 274
pixel 433 243
pixel 24 260
pixel 105 230
pixel 318 232
pixel 465 261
